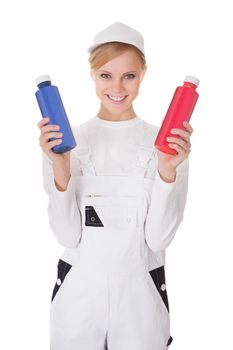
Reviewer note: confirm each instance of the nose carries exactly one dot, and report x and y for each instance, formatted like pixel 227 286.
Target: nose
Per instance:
pixel 117 86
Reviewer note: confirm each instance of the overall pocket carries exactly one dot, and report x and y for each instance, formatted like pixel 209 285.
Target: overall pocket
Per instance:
pixel 112 217
pixel 91 217
pixel 62 269
pixel 158 277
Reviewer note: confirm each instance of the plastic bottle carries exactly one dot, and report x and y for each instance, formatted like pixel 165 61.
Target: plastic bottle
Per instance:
pixel 180 109
pixel 50 103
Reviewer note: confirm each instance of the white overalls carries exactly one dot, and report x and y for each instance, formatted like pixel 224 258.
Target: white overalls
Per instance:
pixel 105 297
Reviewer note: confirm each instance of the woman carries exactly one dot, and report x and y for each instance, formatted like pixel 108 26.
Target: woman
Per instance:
pixel 115 203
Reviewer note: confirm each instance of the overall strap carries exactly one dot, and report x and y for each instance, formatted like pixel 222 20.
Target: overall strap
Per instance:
pixel 83 153
pixel 146 152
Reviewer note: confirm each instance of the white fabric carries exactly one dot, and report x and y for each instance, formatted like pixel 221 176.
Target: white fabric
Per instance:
pixel 109 295
pixel 118 32
pixel 113 146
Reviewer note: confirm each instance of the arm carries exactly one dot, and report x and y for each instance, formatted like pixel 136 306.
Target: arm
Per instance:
pixel 166 209
pixel 63 211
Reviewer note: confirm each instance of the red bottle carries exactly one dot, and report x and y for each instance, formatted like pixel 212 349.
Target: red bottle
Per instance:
pixel 180 109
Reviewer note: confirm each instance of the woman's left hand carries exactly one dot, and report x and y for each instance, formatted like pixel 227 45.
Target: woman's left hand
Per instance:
pixel 167 163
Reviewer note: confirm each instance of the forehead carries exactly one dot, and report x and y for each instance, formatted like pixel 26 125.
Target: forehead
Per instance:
pixel 126 62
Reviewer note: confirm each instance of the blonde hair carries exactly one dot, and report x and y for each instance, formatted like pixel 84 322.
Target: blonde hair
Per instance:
pixel 108 51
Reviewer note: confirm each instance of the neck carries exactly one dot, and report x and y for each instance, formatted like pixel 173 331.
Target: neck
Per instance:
pixel 107 115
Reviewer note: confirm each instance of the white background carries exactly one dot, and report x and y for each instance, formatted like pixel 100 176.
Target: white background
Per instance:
pixel 181 38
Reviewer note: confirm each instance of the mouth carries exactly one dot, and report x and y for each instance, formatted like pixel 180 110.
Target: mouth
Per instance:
pixel 117 99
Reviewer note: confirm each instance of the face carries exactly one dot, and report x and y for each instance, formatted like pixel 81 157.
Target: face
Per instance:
pixel 117 83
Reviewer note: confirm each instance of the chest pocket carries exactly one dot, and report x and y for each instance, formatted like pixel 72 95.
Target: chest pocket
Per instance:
pixel 113 217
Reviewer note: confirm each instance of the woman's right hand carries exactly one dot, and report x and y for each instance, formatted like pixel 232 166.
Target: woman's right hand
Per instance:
pixel 47 132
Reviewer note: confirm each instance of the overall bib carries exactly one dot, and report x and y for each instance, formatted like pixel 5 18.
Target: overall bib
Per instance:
pixel 110 291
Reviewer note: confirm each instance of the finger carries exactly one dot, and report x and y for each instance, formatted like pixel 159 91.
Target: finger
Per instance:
pixel 186 145
pixel 188 126
pixel 47 136
pixel 43 121
pixel 181 151
pixel 184 134
pixel 48 128
pixel 49 145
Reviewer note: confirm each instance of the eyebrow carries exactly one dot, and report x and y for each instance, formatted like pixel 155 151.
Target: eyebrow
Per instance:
pixel 132 71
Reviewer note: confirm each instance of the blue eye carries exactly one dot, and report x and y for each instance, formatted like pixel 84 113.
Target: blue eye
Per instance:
pixel 130 76
pixel 127 76
pixel 104 75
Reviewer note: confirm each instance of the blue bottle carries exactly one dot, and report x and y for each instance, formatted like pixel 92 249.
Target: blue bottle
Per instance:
pixel 50 103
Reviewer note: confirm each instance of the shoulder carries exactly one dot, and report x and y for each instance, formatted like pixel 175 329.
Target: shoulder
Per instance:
pixel 151 128
pixel 150 133
pixel 79 129
pixel 81 153
pixel 80 132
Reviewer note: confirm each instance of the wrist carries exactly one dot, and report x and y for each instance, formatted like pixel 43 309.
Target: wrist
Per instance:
pixel 61 163
pixel 167 175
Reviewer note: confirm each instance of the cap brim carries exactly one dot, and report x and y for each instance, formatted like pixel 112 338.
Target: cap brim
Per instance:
pixel 91 48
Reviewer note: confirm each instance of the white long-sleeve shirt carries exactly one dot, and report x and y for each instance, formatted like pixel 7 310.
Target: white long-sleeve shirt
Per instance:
pixel 114 150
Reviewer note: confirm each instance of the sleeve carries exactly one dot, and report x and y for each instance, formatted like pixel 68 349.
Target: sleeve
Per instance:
pixel 63 211
pixel 166 208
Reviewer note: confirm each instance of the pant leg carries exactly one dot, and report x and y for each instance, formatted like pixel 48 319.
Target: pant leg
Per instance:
pixel 139 318
pixel 78 311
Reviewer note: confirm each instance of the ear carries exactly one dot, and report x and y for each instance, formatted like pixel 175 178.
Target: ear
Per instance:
pixel 143 73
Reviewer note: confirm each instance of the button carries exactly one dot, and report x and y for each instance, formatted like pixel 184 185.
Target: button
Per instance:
pixel 92 218
pixel 163 287
pixel 58 282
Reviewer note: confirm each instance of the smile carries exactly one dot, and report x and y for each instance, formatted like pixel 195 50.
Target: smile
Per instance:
pixel 117 99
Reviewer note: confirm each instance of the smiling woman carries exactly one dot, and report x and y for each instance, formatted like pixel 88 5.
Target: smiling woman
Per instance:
pixel 108 75
pixel 117 215
pixel 117 69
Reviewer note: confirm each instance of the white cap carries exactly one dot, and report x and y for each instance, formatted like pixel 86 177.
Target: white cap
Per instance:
pixel 42 78
pixel 192 79
pixel 119 32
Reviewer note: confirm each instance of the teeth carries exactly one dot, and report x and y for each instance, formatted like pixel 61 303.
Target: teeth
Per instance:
pixel 115 98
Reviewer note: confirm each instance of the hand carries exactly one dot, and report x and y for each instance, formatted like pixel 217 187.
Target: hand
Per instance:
pixel 168 163
pixel 47 132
